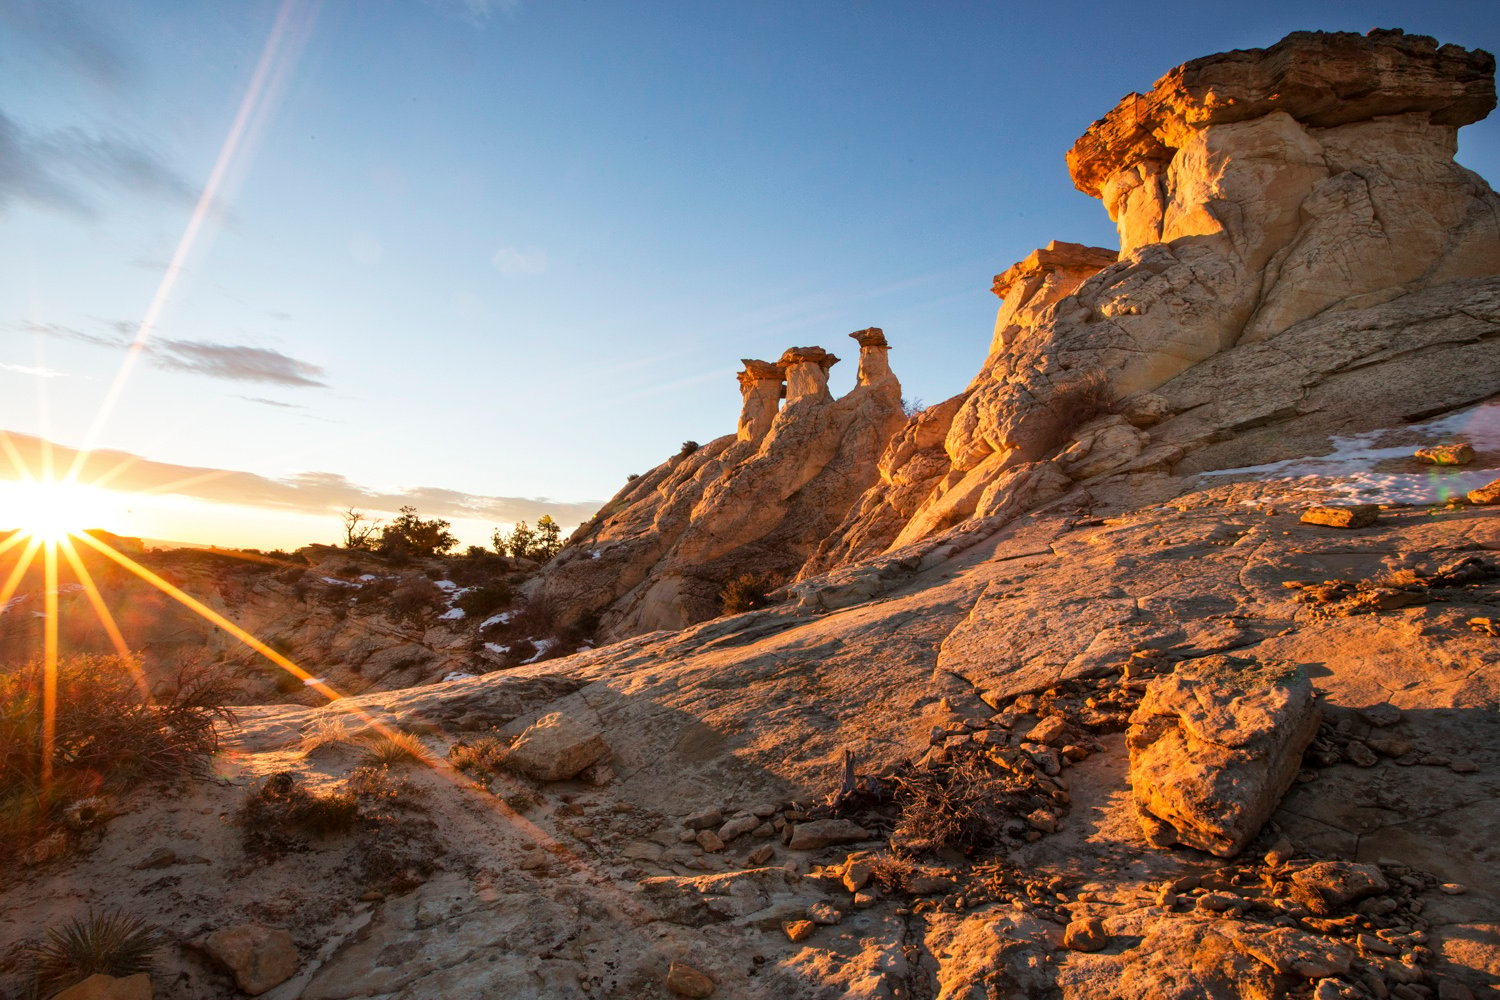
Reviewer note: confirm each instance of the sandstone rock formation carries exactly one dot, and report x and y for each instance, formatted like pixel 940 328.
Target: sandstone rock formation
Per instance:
pixel 755 503
pixel 1214 746
pixel 1293 233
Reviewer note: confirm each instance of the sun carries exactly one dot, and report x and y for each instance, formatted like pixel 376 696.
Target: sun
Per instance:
pixel 50 510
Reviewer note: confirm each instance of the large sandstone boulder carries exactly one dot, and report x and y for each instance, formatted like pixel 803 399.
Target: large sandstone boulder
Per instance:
pixel 1296 242
pixel 556 747
pixel 757 502
pixel 1214 746
pixel 259 958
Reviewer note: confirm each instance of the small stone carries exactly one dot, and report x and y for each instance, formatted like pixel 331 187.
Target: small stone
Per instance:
pixel 824 913
pixel 763 810
pixel 1487 494
pixel 1360 515
pixel 556 747
pixel 686 981
pixel 1218 902
pixel 1280 853
pixel 1390 746
pixel 704 820
pixel 761 854
pixel 865 900
pixel 162 857
pixel 1042 821
pixel 1446 454
pixel 1452 889
pixel 1383 715
pixel 709 841
pixel 1048 731
pixel 259 958
pixel 1324 886
pixel 372 896
pixel 857 874
pixel 1085 934
pixel 1463 765
pixel 764 832
pixel 687 837
pixel 825 832
pixel 799 930
pixel 1360 755
pixel 737 827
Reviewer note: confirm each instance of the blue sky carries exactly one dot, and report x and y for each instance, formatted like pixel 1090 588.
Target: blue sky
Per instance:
pixel 492 256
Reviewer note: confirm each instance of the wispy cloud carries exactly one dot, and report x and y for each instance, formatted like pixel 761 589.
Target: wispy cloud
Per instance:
pixel 270 402
pixel 81 41
pixel 307 492
pixel 33 371
pixel 478 11
pixel 513 262
pixel 235 362
pixel 59 169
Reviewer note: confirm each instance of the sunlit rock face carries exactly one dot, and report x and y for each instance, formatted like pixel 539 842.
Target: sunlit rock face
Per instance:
pixel 1300 256
pixel 755 502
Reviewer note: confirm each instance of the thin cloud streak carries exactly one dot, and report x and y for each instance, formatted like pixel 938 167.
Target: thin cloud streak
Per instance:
pixel 234 362
pixel 307 492
pixel 55 169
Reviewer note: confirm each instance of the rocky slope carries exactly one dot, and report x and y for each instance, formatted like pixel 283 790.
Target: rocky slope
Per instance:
pixel 1077 710
pixel 756 503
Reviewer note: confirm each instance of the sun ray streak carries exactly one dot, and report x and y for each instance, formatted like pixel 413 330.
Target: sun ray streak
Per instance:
pixel 19 571
pixel 16 539
pixel 106 619
pixel 49 660
pixel 204 611
pixel 207 199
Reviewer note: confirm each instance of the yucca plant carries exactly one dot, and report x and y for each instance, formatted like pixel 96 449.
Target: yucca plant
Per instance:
pixel 110 942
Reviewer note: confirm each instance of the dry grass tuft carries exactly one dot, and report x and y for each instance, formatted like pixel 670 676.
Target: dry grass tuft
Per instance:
pixel 965 806
pixel 747 592
pixel 484 756
pixel 111 943
pixel 391 749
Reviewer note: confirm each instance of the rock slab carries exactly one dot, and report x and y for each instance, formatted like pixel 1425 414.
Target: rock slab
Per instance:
pixel 102 987
pixel 1214 746
pixel 259 958
pixel 557 747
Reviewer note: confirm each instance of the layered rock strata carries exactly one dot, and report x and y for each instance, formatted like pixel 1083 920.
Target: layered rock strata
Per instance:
pixel 1297 242
pixel 754 503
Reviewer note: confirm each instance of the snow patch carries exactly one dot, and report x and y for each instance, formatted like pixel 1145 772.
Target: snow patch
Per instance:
pixel 446 585
pixel 543 647
pixel 499 619
pixel 458 675
pixel 1347 472
pixel 497 649
pixel 335 581
pixel 452 614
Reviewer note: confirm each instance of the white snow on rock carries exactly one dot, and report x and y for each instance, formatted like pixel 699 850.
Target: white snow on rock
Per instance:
pixel 341 583
pixel 499 619
pixel 1348 471
pixel 496 648
pixel 367 577
pixel 447 585
pixel 458 675
pixel 452 614
pixel 543 647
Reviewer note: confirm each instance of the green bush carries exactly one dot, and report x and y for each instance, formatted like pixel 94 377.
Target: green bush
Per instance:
pixel 410 535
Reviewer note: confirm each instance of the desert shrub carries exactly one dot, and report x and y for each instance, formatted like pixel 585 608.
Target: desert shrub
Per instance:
pixel 688 447
pixel 965 805
pixel 484 600
pixel 111 943
pixel 1076 402
pixel 108 735
pixel 410 601
pixel 747 592
pixel 278 812
pixel 393 748
pixel 912 407
pixel 374 591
